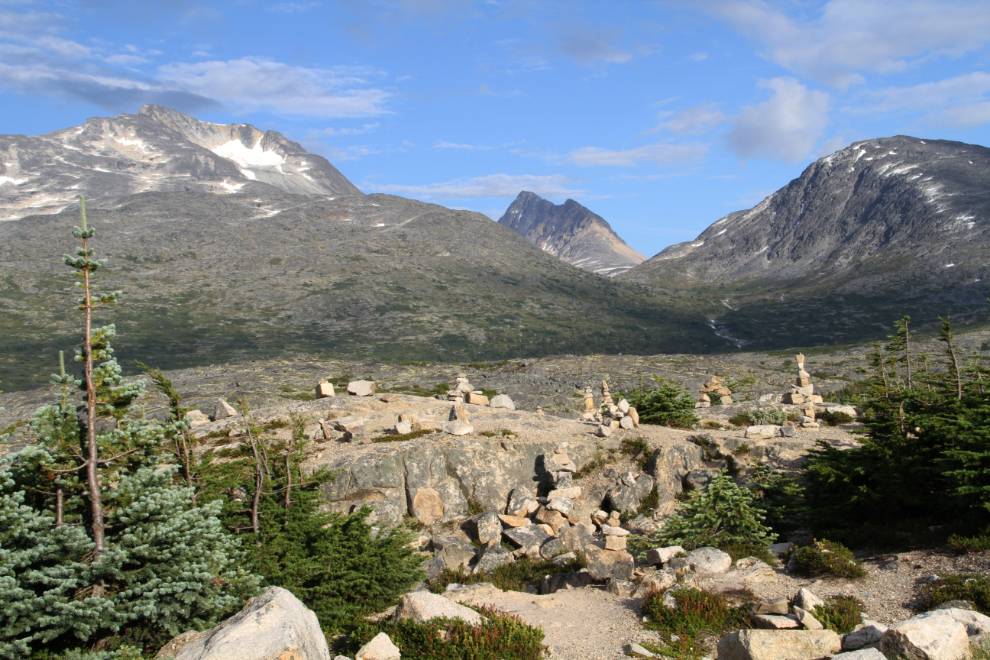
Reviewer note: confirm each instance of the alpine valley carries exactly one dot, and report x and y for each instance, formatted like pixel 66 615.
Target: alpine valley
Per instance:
pixel 231 243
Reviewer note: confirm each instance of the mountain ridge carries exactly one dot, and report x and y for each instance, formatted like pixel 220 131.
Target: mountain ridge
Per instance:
pixel 155 150
pixel 571 232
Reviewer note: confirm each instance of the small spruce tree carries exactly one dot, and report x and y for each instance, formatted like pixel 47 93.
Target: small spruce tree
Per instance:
pixel 723 514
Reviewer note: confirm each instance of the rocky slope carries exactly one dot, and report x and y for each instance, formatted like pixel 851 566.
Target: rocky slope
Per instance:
pixel 215 278
pixel 895 224
pixel 156 150
pixel 571 232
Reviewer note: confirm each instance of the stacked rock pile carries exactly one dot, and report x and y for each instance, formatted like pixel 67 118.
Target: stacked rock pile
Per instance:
pixel 612 415
pixel 803 391
pixel 463 391
pixel 713 386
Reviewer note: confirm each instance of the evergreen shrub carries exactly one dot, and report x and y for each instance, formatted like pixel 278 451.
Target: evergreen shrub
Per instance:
pixel 835 418
pixel 827 559
pixel 666 404
pixel 517 576
pixel 966 544
pixel 722 514
pixel 974 587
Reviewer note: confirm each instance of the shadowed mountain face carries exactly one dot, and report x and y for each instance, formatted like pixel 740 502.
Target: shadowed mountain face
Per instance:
pixel 209 279
pixel 156 150
pixel 884 225
pixel 571 232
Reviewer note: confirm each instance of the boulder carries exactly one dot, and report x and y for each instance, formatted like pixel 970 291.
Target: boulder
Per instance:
pixel 627 423
pixel 272 625
pixel 604 564
pixel 491 557
pixel 458 428
pixel 699 479
pixel 976 623
pixel 623 588
pixel 457 413
pixel 350 424
pixel 527 537
pixel 379 648
pixel 223 410
pixel 709 560
pixel 663 555
pixel 626 497
pixel 361 387
pixel 555 519
pixel 576 538
pixel 777 645
pixel 615 542
pixel 521 502
pixel 456 557
pixel 763 431
pixel 603 431
pixel 553 583
pixel 869 633
pixel 324 390
pixel 403 428
pixel 933 635
pixel 502 401
pixel 421 606
pixel 660 580
pixel 476 399
pixel 485 527
pixel 807 600
pixel 563 505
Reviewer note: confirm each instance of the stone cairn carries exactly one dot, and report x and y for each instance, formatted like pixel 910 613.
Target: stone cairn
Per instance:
pixel 611 415
pixel 803 394
pixel 461 387
pixel 714 385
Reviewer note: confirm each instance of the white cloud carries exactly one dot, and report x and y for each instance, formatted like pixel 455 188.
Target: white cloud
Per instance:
pixel 848 37
pixel 958 101
pixel 254 83
pixel 293 7
pixel 661 154
pixel 699 118
pixel 336 132
pixel 592 46
pixel 506 186
pixel 443 144
pixel 786 127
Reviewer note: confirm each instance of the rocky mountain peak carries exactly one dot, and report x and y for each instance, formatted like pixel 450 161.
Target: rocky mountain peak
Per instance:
pixel 155 150
pixel 571 232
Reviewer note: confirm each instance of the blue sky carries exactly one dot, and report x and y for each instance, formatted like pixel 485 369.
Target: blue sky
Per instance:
pixel 659 116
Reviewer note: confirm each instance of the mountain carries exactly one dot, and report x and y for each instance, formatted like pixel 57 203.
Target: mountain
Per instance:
pixel 209 279
pixel 156 150
pixel 571 232
pixel 883 225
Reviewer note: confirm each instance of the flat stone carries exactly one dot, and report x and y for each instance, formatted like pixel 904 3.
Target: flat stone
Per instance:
pixel 223 410
pixel 458 428
pixel 324 390
pixel 807 600
pixel 774 621
pixel 639 651
pixel 502 401
pixel 379 648
pixel 615 542
pixel 807 619
pixel 390 397
pixel 763 431
pixel 863 654
pixel 361 387
pixel 608 530
pixel 421 606
pixel 514 521
pixel 778 606
pixel 663 555
pixel 572 493
pixel 777 645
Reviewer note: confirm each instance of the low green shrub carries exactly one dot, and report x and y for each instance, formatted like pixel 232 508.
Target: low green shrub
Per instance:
pixel 973 587
pixel 402 437
pixel 500 636
pixel 741 419
pixel 637 450
pixel 768 416
pixel 840 613
pixel 742 550
pixel 827 559
pixel 700 619
pixel 517 576
pixel 966 544
pixel 742 449
pixel 835 418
